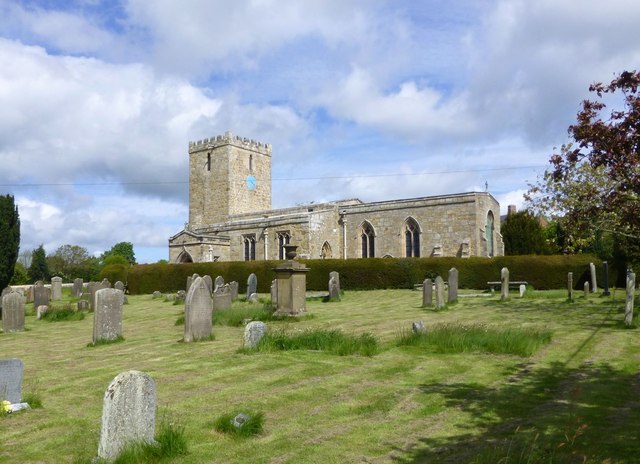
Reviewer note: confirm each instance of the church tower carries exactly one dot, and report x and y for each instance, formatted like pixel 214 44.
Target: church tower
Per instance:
pixel 228 175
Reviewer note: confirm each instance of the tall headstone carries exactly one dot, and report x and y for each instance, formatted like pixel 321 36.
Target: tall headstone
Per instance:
pixel 439 293
pixel 570 286
pixel 29 294
pixel 219 282
pixel 427 293
pixel 628 309
pixel 13 312
pixel 40 294
pixel 504 281
pixel 222 298
pixel 105 283
pixel 453 285
pixel 11 380
pixel 209 282
pixel 77 288
pixel 586 289
pixel 119 286
pixel 198 309
pixel 233 285
pixel 5 291
pixel 334 289
pixel 252 284
pixel 274 292
pixel 94 287
pixel 253 333
pixel 594 282
pixel 605 290
pixel 523 289
pixel 56 288
pixel 335 275
pixel 107 318
pixel 128 413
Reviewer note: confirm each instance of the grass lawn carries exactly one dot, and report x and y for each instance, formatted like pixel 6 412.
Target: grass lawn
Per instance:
pixel 575 399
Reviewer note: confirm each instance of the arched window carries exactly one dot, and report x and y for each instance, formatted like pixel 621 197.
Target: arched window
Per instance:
pixel 249 247
pixel 184 257
pixel 412 238
pixel 326 251
pixel 489 228
pixel 368 241
pixel 283 239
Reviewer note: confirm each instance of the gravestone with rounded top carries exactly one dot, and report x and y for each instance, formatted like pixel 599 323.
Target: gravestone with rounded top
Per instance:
pixel 334 289
pixel 253 333
pixel 56 288
pixel 222 298
pixel 219 282
pixel 335 275
pixel 439 293
pixel 11 380
pixel 13 312
pixel 107 320
pixel 427 293
pixel 198 309
pixel 252 284
pixel 504 284
pixel 631 288
pixel 453 285
pixel 119 285
pixel 40 294
pixel 209 282
pixel 594 280
pixel 77 287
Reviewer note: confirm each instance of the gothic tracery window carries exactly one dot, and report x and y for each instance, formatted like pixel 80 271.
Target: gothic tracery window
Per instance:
pixel 412 238
pixel 283 239
pixel 249 247
pixel 368 241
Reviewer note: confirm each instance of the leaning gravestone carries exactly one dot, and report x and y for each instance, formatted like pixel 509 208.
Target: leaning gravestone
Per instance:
pixel 334 289
pixel 40 294
pixel 453 285
pixel 234 290
pixel 219 282
pixel 427 293
pixel 13 312
pixel 198 309
pixel 439 293
pixel 128 413
pixel 107 320
pixel 628 309
pixel 222 298
pixel 594 282
pixel 252 284
pixel 56 288
pixel 77 288
pixel 504 281
pixel 335 275
pixel 253 333
pixel 11 380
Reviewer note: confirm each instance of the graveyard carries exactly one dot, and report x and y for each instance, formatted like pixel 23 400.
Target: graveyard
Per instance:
pixel 572 398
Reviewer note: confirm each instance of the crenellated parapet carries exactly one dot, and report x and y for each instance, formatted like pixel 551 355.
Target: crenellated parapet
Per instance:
pixel 229 139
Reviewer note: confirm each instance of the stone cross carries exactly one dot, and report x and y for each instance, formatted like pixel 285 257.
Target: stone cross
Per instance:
pixel 107 318
pixel 56 288
pixel 77 288
pixel 128 413
pixel 504 287
pixel 222 298
pixel 253 333
pixel 11 380
pixel 198 309
pixel 628 309
pixel 439 293
pixel 570 286
pixel 452 296
pixel 334 289
pixel 252 284
pixel 427 293
pixel 13 312
pixel 594 283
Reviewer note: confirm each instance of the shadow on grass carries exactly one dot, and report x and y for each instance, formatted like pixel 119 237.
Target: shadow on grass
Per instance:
pixel 543 415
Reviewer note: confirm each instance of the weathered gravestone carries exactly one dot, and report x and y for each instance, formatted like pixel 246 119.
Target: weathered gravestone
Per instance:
pixel 274 292
pixel 605 290
pixel 252 284
pixel 335 275
pixel 253 298
pixel 586 289
pixel 504 284
pixel 83 305
pixel 40 294
pixel 77 288
pixel 418 327
pixel 181 295
pixel 219 282
pixel 570 286
pixel 190 280
pixel 427 293
pixel 628 309
pixel 41 311
pixel 56 288
pixel 119 286
pixel 594 282
pixel 234 290
pixel 107 319
pixel 29 294
pixel 222 298
pixel 198 309
pixel 334 290
pixel 209 282
pixel 13 312
pixel 128 413
pixel 5 291
pixel 452 295
pixel 522 289
pixel 439 293
pixel 94 287
pixel 11 380
pixel 157 294
pixel 253 333
pixel 105 283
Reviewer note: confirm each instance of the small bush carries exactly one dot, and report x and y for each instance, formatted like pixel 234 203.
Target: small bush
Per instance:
pixel 252 427
pixel 331 341
pixel 453 338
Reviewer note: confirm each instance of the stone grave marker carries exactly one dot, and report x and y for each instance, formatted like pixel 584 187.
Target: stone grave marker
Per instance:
pixel 628 309
pixel 77 288
pixel 252 284
pixel 128 413
pixel 83 305
pixel 181 295
pixel 41 311
pixel 190 280
pixel 253 333
pixel 209 282
pixel 253 298
pixel 234 290
pixel 453 285
pixel 219 282
pixel 586 289
pixel 94 289
pixel 427 293
pixel 56 288
pixel 11 380
pixel 504 281
pixel 29 294
pixel 274 292
pixel 418 327
pixel 605 290
pixel 119 286
pixel 335 275
pixel 334 289
pixel 522 289
pixel 439 293
pixel 157 294
pixel 107 319
pixel 198 309
pixel 40 294
pixel 222 298
pixel 13 312
pixel 105 283
pixel 594 282
pixel 5 291
pixel 570 286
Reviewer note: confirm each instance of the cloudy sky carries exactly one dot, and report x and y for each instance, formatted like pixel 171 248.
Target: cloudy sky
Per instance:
pixel 374 99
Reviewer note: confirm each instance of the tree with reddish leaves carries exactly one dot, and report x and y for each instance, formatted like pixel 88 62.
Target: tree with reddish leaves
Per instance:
pixel 594 183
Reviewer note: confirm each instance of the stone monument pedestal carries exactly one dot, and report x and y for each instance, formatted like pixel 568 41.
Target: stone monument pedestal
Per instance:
pixel 291 282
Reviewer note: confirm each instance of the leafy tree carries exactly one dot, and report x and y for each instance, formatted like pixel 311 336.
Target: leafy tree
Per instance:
pixel 9 238
pixel 594 182
pixel 39 269
pixel 124 249
pixel 20 276
pixel 523 235
pixel 71 261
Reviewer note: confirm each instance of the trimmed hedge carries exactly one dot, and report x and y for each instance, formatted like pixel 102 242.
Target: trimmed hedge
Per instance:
pixel 543 272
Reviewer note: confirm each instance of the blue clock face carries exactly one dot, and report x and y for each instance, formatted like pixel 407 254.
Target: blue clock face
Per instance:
pixel 251 183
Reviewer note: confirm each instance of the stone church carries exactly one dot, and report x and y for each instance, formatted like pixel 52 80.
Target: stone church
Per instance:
pixel 230 216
